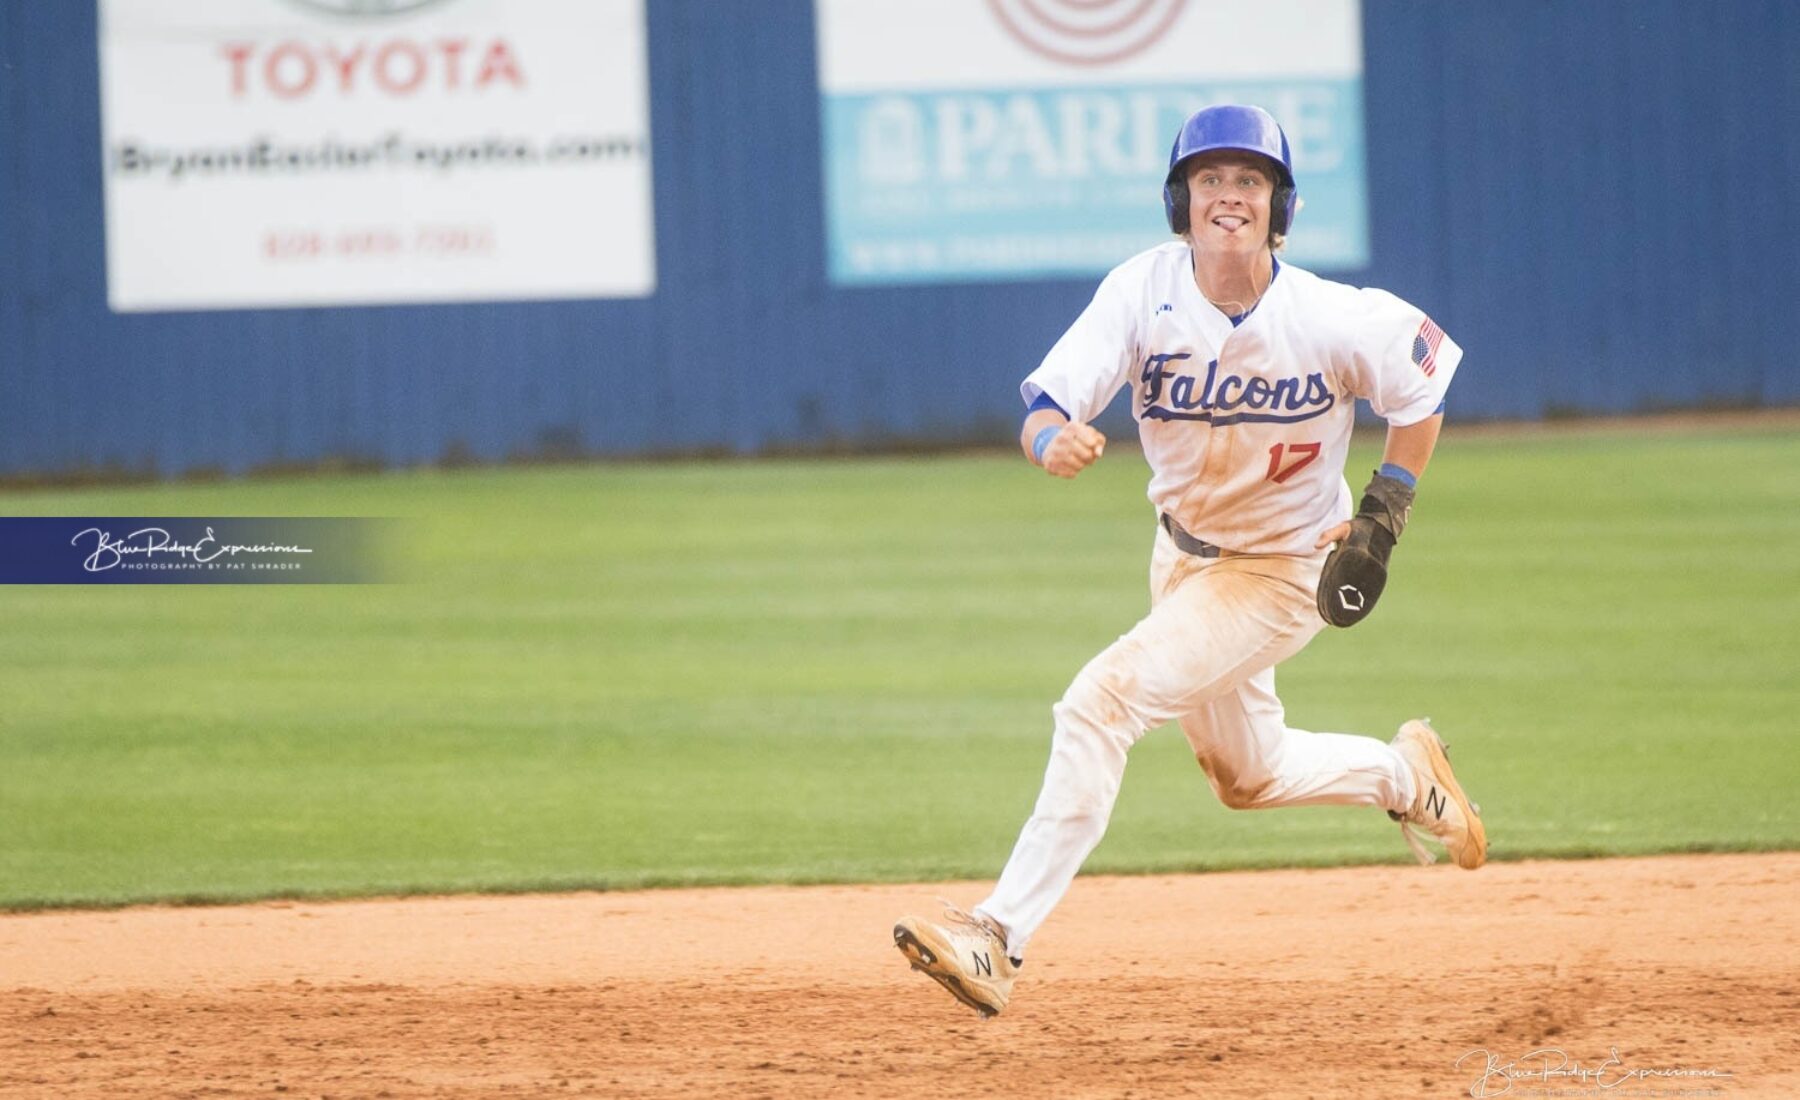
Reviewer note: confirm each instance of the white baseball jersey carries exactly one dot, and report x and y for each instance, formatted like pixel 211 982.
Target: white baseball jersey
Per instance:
pixel 1246 429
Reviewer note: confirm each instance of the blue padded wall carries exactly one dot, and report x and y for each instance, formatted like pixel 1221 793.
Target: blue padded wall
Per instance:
pixel 1595 198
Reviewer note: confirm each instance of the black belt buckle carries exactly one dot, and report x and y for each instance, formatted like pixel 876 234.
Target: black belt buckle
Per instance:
pixel 1186 542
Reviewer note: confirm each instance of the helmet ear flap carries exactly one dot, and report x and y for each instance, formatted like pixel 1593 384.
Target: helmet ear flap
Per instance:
pixel 1281 208
pixel 1175 202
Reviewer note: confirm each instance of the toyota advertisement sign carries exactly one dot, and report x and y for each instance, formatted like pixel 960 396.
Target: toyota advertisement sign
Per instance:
pixel 999 139
pixel 267 153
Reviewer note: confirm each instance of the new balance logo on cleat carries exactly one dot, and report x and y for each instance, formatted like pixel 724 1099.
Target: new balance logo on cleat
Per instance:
pixel 1434 801
pixel 984 964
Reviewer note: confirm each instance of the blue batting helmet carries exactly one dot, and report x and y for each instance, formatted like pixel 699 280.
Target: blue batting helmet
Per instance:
pixel 1250 129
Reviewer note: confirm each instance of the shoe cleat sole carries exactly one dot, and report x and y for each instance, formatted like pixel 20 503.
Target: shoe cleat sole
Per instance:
pixel 925 961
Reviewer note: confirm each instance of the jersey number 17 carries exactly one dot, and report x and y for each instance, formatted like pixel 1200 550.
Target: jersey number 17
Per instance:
pixel 1297 456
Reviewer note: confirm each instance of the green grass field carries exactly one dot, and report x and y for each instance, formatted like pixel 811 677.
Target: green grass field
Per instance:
pixel 628 675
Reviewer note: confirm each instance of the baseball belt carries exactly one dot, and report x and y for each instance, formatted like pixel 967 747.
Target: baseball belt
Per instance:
pixel 1188 544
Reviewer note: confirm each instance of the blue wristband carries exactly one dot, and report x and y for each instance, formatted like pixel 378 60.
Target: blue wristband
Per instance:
pixel 1041 442
pixel 1399 473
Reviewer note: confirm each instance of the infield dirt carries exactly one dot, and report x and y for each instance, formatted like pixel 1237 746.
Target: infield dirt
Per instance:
pixel 1371 981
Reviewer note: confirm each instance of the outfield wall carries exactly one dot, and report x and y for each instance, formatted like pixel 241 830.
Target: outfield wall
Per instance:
pixel 1596 198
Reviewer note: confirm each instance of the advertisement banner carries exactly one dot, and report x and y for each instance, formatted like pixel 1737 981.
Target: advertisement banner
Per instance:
pixel 268 153
pixel 999 139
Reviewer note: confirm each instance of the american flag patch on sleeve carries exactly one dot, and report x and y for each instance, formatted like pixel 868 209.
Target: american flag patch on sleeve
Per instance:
pixel 1425 347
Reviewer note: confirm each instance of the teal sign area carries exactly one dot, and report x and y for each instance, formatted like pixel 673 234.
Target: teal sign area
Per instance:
pixel 950 186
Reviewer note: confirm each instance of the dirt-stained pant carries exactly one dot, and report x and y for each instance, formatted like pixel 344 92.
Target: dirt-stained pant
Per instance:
pixel 1205 656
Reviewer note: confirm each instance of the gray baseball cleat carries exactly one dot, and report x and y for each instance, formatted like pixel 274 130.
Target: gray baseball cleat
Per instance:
pixel 964 953
pixel 1439 806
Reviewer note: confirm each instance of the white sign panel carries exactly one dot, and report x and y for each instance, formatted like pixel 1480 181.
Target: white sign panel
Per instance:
pixel 267 153
pixel 998 139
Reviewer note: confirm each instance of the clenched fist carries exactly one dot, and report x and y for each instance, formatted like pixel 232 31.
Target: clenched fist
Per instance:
pixel 1074 449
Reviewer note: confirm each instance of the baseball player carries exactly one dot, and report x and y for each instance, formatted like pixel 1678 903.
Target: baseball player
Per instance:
pixel 1243 374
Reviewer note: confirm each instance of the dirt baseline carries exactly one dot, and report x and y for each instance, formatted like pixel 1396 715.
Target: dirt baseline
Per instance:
pixel 1367 981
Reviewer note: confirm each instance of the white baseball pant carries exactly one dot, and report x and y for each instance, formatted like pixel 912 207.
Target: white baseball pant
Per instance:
pixel 1205 656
